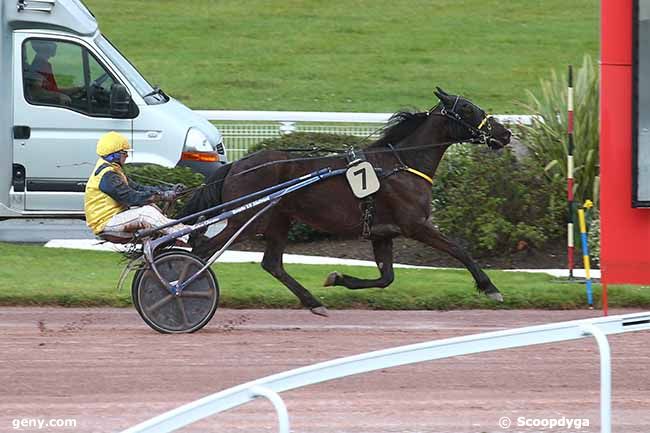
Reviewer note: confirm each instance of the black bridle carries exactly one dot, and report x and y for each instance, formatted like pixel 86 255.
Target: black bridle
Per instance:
pixel 480 134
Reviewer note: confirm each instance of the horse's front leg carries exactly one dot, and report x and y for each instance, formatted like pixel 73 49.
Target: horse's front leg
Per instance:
pixel 428 234
pixel 383 250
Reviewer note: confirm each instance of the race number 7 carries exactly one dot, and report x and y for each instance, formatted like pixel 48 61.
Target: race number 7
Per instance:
pixel 362 179
pixel 362 172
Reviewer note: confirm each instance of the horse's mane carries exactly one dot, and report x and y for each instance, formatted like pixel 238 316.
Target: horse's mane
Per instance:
pixel 399 126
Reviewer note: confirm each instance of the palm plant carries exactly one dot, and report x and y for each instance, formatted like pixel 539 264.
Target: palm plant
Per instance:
pixel 546 137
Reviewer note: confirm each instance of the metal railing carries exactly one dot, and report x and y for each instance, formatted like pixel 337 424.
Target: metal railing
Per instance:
pixel 243 129
pixel 270 386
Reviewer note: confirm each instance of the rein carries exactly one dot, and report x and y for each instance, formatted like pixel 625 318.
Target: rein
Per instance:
pixel 337 154
pixel 341 154
pixel 479 136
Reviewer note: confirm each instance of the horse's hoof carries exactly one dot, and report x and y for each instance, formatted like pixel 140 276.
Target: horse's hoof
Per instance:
pixel 495 296
pixel 320 311
pixel 331 279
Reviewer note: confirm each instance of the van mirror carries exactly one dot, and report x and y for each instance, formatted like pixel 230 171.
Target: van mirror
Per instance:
pixel 120 101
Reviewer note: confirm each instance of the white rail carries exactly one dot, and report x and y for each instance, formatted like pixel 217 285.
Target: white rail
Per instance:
pixel 271 386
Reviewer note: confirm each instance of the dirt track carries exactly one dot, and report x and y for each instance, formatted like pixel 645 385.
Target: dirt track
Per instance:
pixel 108 370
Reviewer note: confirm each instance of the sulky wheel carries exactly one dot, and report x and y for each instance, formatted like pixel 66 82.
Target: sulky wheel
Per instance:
pixel 168 313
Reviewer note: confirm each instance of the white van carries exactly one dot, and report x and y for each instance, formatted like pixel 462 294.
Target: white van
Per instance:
pixel 63 85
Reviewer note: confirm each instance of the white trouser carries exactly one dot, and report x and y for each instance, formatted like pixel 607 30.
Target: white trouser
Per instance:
pixel 139 218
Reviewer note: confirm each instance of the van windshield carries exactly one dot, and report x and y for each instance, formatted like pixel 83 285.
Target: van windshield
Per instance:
pixel 150 94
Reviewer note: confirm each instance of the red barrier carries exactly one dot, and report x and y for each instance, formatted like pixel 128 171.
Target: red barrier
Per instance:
pixel 625 231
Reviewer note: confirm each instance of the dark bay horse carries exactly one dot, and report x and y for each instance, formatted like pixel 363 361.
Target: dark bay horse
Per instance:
pixel 408 153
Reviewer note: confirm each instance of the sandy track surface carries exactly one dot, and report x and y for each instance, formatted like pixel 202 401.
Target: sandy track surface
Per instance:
pixel 107 370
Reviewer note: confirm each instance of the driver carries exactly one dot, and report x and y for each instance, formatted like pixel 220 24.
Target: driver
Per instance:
pixel 110 195
pixel 49 89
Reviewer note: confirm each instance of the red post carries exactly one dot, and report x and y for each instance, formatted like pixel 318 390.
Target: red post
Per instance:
pixel 625 231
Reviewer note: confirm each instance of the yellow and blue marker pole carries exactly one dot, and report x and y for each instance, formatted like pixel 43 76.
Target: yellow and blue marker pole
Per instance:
pixel 585 249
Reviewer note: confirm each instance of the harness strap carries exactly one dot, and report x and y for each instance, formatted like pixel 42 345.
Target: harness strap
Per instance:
pixel 367 215
pixel 367 204
pixel 407 168
pixel 419 173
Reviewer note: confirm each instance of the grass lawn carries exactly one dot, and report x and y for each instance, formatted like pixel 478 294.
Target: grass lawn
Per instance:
pixel 34 275
pixel 342 55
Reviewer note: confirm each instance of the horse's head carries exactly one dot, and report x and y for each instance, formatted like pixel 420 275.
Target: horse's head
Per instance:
pixel 473 123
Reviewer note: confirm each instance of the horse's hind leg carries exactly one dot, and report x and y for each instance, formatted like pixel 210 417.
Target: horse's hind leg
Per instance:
pixel 427 233
pixel 383 249
pixel 276 241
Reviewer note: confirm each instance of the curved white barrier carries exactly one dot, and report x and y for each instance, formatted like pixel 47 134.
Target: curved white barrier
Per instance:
pixel 270 386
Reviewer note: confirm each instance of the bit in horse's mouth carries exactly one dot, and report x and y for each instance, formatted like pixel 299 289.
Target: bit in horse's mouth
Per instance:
pixel 494 143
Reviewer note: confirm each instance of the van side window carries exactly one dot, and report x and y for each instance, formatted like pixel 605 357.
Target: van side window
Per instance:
pixel 67 75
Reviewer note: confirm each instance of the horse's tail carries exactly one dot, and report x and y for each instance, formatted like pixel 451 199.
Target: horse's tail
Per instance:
pixel 209 195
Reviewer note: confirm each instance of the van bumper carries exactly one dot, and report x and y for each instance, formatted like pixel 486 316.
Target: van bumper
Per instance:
pixel 205 168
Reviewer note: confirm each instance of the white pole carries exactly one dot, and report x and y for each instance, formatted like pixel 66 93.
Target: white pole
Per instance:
pixel 278 403
pixel 605 377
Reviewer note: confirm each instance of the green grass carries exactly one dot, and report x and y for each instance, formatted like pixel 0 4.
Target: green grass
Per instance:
pixel 34 275
pixel 342 55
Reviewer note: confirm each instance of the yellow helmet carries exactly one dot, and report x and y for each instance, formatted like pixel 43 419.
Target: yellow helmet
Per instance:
pixel 112 142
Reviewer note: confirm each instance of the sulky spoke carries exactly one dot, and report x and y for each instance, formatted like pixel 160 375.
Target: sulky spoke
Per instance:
pixel 184 272
pixel 179 302
pixel 194 294
pixel 160 303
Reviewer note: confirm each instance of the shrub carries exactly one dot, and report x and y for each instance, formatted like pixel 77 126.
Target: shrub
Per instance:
pixel 547 138
pixel 308 141
pixel 492 203
pixel 157 175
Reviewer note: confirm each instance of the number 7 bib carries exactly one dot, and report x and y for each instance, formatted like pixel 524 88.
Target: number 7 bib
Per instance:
pixel 362 179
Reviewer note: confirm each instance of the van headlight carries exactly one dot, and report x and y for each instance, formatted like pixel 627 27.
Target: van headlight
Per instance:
pixel 198 147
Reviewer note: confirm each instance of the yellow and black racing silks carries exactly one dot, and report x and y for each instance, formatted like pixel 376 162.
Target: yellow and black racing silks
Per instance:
pixel 109 192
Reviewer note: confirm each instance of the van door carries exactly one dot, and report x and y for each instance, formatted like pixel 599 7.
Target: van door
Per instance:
pixel 60 111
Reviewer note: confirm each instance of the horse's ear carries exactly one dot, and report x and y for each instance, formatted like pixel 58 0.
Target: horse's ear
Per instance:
pixel 440 91
pixel 441 94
